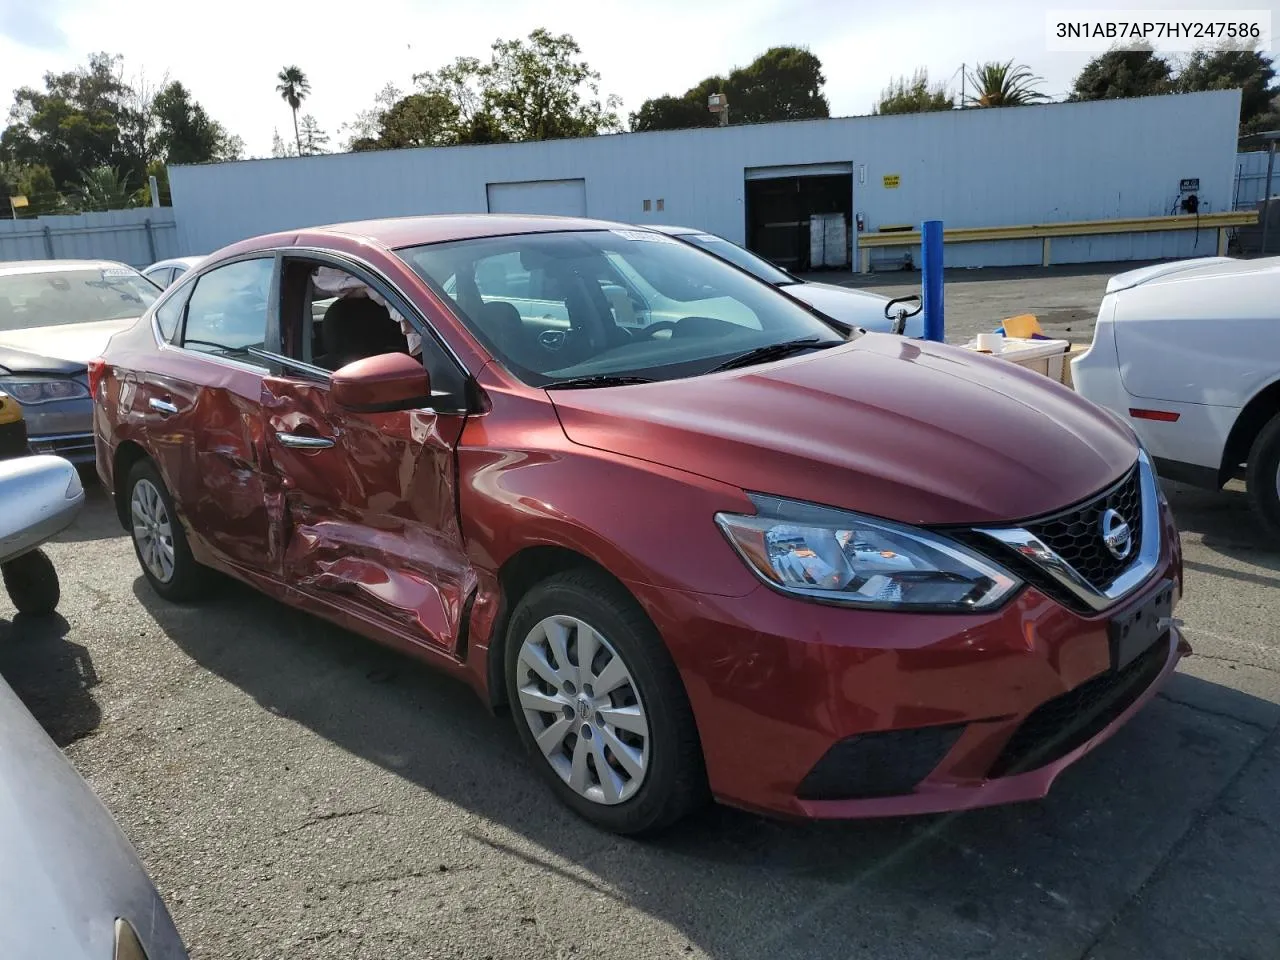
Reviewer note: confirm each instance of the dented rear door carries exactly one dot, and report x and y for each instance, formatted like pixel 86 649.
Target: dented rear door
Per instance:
pixel 369 508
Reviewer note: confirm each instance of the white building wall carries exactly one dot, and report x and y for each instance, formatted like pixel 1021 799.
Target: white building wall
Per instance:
pixel 1075 161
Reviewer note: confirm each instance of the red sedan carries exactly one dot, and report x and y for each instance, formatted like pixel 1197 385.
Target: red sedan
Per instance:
pixel 701 539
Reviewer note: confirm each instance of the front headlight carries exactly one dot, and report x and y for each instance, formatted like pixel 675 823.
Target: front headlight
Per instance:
pixel 832 555
pixel 29 391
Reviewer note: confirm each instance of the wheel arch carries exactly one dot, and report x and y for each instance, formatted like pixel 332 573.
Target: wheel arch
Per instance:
pixel 1255 415
pixel 518 574
pixel 128 453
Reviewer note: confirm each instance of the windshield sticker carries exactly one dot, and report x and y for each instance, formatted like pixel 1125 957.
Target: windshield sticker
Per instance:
pixel 645 235
pixel 109 273
pixel 709 238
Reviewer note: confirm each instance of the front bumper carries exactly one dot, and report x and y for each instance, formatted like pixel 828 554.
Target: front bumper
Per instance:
pixel 931 712
pixel 63 428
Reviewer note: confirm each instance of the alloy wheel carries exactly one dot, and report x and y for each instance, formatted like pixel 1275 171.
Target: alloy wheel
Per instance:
pixel 152 532
pixel 584 709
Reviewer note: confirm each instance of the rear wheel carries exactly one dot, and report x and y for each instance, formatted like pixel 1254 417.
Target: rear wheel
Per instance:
pixel 600 707
pixel 158 537
pixel 1262 477
pixel 32 583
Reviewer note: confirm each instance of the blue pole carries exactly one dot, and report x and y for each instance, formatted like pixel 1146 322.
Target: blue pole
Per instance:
pixel 931 268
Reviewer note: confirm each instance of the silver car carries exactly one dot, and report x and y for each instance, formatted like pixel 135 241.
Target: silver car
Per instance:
pixel 55 316
pixel 71 886
pixel 164 273
pixel 859 308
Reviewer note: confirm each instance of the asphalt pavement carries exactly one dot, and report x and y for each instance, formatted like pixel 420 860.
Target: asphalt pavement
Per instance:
pixel 297 791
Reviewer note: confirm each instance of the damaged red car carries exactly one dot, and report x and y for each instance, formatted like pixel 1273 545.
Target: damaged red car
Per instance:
pixel 701 540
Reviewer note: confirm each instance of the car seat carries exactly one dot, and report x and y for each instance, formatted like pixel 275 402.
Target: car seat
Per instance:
pixel 357 327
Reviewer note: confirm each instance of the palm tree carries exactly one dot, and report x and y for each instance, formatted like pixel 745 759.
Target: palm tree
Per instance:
pixel 1004 85
pixel 293 89
pixel 103 188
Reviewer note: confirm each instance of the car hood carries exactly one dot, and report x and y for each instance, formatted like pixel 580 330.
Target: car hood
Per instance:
pixel 860 308
pixel 75 342
pixel 908 430
pixel 66 870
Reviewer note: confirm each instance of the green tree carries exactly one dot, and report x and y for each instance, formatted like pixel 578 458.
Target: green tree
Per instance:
pixel 278 146
pixel 186 133
pixel 1123 73
pixel 314 139
pixel 293 89
pixel 82 119
pixel 420 120
pixel 913 96
pixel 362 132
pixel 1228 68
pixel 671 113
pixel 536 88
pixel 1003 85
pixel 103 188
pixel 783 83
pixel 36 183
pixel 540 89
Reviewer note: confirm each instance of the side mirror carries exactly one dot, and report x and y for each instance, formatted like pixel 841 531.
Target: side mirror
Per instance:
pixel 389 381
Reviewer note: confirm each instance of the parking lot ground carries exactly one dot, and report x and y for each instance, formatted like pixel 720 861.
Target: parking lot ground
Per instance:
pixel 297 791
pixel 1065 299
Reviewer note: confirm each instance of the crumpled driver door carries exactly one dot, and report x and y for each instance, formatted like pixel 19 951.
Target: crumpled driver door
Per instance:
pixel 368 506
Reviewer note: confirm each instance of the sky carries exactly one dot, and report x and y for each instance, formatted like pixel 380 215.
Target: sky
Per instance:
pixel 228 53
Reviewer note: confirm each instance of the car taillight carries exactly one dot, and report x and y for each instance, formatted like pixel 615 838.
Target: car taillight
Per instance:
pixel 97 373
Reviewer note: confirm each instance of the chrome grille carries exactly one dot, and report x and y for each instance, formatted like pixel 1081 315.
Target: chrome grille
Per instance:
pixel 1075 536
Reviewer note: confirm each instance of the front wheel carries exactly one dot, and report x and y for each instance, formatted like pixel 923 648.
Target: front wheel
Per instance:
pixel 32 583
pixel 158 537
pixel 1262 478
pixel 600 707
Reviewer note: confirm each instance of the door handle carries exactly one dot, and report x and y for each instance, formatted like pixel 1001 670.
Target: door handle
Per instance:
pixel 162 406
pixel 300 441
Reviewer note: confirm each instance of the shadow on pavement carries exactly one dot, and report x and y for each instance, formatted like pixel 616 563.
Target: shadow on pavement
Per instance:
pixel 97 520
pixel 51 675
pixel 1049 878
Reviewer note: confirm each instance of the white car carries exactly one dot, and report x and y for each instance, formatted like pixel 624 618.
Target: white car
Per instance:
pixel 164 272
pixel 1188 354
pixel 859 308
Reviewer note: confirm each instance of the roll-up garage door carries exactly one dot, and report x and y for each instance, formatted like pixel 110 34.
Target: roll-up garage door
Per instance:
pixel 566 198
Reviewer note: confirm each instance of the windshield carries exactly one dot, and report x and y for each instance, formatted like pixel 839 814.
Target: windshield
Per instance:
pixel 609 303
pixel 748 261
pixel 59 297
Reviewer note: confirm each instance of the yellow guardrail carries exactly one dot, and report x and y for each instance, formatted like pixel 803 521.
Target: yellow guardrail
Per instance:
pixel 1045 232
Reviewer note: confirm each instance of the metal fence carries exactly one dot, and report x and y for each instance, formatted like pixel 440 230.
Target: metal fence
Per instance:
pixel 136 237
pixel 1251 179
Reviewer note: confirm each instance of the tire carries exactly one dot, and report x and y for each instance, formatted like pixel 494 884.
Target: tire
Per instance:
pixel 32 583
pixel 590 607
pixel 170 568
pixel 1262 477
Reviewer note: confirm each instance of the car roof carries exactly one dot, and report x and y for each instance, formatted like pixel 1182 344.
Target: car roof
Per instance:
pixel 410 231
pixel 16 267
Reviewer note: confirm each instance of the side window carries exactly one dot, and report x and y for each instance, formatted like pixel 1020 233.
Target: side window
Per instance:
pixel 227 311
pixel 169 314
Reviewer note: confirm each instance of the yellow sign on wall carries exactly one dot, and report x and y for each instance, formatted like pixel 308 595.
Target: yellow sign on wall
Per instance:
pixel 891 181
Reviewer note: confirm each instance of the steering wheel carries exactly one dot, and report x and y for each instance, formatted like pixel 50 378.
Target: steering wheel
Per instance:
pixel 646 333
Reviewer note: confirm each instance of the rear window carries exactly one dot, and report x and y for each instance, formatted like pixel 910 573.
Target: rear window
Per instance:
pixel 60 297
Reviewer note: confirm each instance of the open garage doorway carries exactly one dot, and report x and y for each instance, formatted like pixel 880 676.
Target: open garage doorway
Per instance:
pixel 781 205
